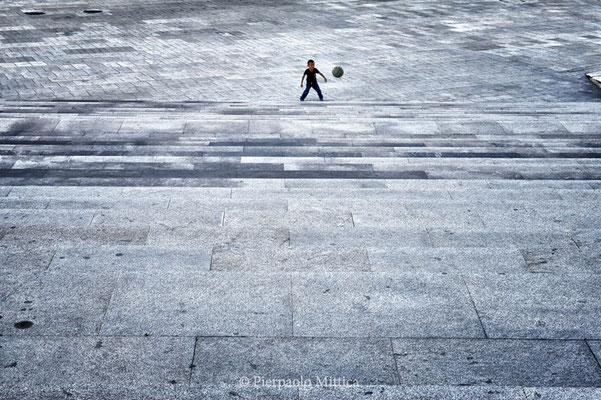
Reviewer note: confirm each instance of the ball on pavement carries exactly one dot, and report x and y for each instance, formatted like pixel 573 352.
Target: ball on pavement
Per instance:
pixel 337 72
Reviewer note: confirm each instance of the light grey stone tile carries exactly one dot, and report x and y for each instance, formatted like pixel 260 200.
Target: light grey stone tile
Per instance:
pixel 587 237
pixel 538 184
pixel 575 195
pixel 201 303
pixel 228 360
pixel 172 391
pixel 447 260
pixel 595 346
pixel 152 126
pixel 95 361
pixel 471 128
pixel 89 127
pixel 334 183
pixel 495 362
pixel 346 128
pixel 179 192
pixel 225 236
pixel 167 218
pixel 407 128
pixel 53 235
pixel 314 218
pixel 510 216
pixel 65 191
pixel 5 190
pixel 546 127
pixel 498 238
pixel 581 127
pixel 537 306
pixel 361 237
pixel 36 217
pixel 109 204
pixel 394 392
pixel 280 127
pixel 25 254
pixel 279 258
pixel 57 303
pixel 559 260
pixel 116 259
pixel 20 203
pixel 383 305
pixel 216 127
pixel 561 393
pixel 256 203
pixel 445 216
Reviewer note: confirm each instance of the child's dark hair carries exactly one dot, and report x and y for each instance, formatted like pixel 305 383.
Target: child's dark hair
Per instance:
pixel 310 61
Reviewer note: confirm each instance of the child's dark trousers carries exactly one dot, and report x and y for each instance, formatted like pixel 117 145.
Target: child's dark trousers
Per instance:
pixel 308 87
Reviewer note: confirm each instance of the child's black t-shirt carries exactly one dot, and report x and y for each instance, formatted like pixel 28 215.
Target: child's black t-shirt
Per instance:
pixel 311 76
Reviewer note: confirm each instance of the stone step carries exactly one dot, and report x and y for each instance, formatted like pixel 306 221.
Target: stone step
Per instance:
pixel 293 108
pixel 285 368
pixel 300 388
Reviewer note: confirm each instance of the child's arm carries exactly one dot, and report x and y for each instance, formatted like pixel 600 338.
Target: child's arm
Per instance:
pixel 324 78
pixel 302 79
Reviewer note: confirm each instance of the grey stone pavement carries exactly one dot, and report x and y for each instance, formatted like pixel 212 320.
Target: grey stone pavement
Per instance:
pixel 424 50
pixel 174 224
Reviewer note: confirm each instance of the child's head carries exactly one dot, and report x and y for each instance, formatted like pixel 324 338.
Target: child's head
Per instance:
pixel 311 64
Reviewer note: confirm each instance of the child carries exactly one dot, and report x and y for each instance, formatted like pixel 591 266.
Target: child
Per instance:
pixel 312 80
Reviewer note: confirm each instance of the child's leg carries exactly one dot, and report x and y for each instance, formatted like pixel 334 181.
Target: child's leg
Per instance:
pixel 318 90
pixel 306 92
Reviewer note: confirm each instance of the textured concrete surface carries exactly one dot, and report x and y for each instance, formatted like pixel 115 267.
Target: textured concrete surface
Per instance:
pixel 179 226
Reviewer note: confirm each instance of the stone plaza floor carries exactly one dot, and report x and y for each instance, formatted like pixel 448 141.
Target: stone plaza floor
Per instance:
pixel 175 224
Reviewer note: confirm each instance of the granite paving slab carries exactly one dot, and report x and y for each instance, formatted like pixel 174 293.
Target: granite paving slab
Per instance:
pixel 112 260
pixel 382 305
pixel 475 362
pixel 558 260
pixel 200 303
pixel 448 260
pixel 388 392
pixel 53 235
pixel 548 393
pixel 94 361
pixel 257 360
pixel 56 303
pixel 278 258
pixel 360 236
pixel 537 306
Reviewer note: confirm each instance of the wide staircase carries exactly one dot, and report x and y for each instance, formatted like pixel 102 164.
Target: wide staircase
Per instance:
pixel 317 250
